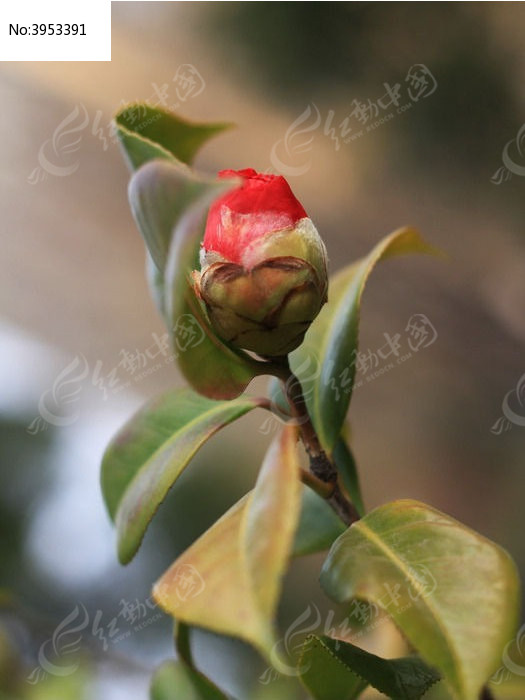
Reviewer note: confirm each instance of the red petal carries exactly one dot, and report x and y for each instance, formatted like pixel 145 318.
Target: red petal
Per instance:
pixel 230 228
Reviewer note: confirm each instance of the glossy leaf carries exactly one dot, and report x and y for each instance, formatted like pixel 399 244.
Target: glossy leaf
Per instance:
pixel 155 280
pixel 209 364
pixel 147 132
pixel 453 593
pixel 159 194
pixel 280 405
pixel 325 676
pixel 511 689
pixel 318 526
pixel 239 562
pixel 347 468
pixel 399 679
pixel 150 452
pixel 169 204
pixel 174 680
pixel 332 339
pixel 55 683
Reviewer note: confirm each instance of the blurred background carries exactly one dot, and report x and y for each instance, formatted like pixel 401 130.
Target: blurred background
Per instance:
pixel 380 115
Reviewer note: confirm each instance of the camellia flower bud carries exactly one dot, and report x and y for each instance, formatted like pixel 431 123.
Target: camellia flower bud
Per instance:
pixel 263 271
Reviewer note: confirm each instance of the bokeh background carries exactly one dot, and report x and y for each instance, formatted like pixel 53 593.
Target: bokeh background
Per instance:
pixel 75 303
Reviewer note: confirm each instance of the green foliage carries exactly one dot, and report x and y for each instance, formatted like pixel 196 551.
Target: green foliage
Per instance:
pixel 325 676
pixel 240 560
pixel 169 202
pixel 174 680
pixel 147 132
pixel 71 687
pixel 453 593
pixel 160 193
pixel 345 463
pixel 318 526
pixel 335 669
pixel 333 337
pixel 151 451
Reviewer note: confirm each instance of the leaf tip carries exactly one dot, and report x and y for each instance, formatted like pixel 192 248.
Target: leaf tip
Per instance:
pixel 125 552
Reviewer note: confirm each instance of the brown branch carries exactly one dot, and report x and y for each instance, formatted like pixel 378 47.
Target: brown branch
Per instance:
pixel 321 466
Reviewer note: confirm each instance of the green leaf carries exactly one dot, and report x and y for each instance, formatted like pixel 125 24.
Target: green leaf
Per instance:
pixel 318 526
pixel 159 194
pixel 174 680
pixel 453 593
pixel 399 679
pixel 239 562
pixel 332 339
pixel 169 204
pixel 147 132
pixel 155 280
pixel 213 367
pixel 150 452
pixel 511 689
pixel 280 405
pixel 48 686
pixel 324 675
pixel 347 468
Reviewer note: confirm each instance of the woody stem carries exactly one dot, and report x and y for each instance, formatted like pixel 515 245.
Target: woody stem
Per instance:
pixel 321 466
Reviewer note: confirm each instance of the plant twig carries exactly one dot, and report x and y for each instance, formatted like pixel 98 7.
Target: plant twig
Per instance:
pixel 321 466
pixel 322 488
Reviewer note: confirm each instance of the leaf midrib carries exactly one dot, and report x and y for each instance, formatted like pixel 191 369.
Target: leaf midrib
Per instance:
pixel 210 413
pixel 149 142
pixel 211 430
